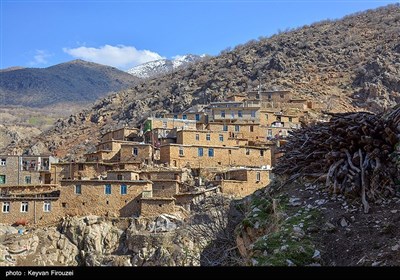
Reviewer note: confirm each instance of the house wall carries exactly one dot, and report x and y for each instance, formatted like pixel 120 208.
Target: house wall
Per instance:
pixel 126 175
pixel 188 137
pixel 144 153
pixel 161 174
pixel 233 114
pixel 15 175
pixel 223 156
pixel 12 194
pixel 244 182
pixel 74 170
pixel 119 134
pixel 94 201
pixel 151 207
pixel 165 188
pixel 172 123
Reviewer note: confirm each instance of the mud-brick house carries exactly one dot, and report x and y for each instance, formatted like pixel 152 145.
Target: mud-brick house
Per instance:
pixel 25 170
pixel 30 204
pixel 240 182
pixel 118 198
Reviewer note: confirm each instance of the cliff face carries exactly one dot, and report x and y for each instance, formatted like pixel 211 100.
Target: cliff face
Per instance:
pixel 350 64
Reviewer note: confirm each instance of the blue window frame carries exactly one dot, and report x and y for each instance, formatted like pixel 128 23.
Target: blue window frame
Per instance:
pixel 78 189
pixel 210 152
pixel 200 152
pixel 124 189
pixel 197 117
pixel 107 189
pixel 222 114
pixel 184 117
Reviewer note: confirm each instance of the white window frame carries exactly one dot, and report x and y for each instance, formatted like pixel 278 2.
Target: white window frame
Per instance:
pixel 46 206
pixel 24 207
pixel 258 176
pixel 3 162
pixel 181 151
pixel 208 137
pixel 6 207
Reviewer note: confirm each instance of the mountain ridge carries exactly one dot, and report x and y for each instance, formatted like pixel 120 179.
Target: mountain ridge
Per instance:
pixel 73 81
pixel 162 66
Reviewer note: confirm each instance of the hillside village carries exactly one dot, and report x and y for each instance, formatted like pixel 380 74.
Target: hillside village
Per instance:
pixel 160 167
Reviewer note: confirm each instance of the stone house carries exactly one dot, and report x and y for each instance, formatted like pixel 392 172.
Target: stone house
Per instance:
pixel 25 170
pixel 30 204
pixel 243 181
pixel 119 198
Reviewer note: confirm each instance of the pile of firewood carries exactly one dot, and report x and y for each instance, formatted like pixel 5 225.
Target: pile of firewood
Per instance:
pixel 354 153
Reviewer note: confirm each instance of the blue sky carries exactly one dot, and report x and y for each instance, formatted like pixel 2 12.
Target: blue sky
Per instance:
pixel 126 33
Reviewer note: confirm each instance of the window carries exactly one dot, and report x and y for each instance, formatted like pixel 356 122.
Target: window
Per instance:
pixel 164 124
pixel 181 151
pixel 232 114
pixel 6 207
pixel 229 152
pixel 208 137
pixel 253 114
pixel 175 116
pixel 258 177
pixel 221 137
pixel 135 151
pixel 78 189
pixel 64 204
pixel 197 137
pixel 46 206
pixel 184 117
pixel 261 153
pixel 24 207
pixel 278 118
pixel 290 119
pixel 222 114
pixel 247 152
pixel 251 128
pixel 120 177
pixel 80 166
pixel 197 117
pixel 281 95
pixel 200 152
pixel 124 189
pixel 237 127
pixel 225 127
pixel 210 152
pixel 266 117
pixel 2 179
pixel 3 162
pixel 269 132
pixel 28 180
pixel 107 189
pixel 240 115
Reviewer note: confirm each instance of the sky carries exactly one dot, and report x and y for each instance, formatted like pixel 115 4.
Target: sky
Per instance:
pixel 126 33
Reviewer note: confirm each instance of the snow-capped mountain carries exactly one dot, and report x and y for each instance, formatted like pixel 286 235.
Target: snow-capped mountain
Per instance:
pixel 162 66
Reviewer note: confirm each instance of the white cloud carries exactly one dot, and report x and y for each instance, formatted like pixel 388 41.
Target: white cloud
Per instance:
pixel 40 58
pixel 123 57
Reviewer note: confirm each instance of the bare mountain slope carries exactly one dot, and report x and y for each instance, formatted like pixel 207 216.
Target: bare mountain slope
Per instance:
pixel 350 63
pixel 74 81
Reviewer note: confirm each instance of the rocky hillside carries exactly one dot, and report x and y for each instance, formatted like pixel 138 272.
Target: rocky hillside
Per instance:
pixel 74 81
pixel 352 64
pixel 167 240
pixel 162 66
